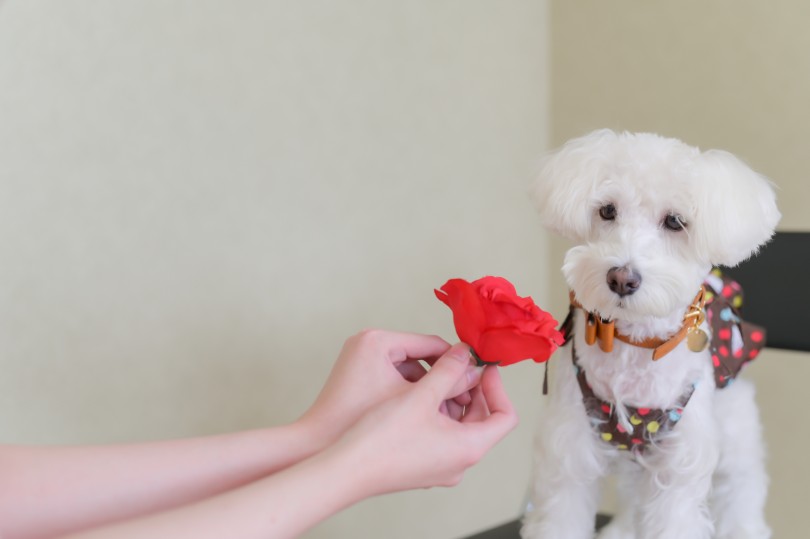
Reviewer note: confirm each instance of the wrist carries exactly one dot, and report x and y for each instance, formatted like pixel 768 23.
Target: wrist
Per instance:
pixel 322 430
pixel 314 489
pixel 356 469
pixel 312 437
pixel 277 448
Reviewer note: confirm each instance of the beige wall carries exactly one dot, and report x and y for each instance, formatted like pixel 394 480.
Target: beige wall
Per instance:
pixel 200 200
pixel 729 74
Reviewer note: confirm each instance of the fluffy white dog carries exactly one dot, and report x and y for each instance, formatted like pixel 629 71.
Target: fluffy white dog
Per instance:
pixel 650 217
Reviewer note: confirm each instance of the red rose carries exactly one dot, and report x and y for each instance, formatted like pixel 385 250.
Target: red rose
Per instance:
pixel 500 326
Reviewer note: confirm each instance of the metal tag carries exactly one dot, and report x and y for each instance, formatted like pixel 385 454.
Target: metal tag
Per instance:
pixel 697 340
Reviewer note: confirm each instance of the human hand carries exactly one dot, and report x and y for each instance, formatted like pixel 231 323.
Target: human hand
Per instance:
pixel 373 366
pixel 408 442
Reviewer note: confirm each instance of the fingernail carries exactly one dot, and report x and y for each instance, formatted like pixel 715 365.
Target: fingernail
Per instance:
pixel 461 353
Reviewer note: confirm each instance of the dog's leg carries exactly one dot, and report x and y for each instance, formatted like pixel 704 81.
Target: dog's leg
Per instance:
pixel 741 483
pixel 623 525
pixel 678 474
pixel 566 481
pixel 568 466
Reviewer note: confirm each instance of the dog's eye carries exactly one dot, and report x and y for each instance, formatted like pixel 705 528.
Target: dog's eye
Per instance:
pixel 608 212
pixel 674 222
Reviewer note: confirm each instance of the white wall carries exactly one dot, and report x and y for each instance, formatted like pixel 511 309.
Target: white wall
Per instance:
pixel 200 200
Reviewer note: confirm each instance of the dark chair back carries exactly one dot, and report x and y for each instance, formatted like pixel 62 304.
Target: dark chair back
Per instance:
pixel 777 290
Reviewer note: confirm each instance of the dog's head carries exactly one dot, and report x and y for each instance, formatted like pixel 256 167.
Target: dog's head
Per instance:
pixel 650 217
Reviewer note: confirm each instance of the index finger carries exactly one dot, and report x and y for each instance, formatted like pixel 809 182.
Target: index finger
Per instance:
pixel 403 346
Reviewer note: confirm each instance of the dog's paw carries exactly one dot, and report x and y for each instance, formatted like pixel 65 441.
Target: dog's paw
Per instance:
pixel 758 531
pixel 547 530
pixel 616 530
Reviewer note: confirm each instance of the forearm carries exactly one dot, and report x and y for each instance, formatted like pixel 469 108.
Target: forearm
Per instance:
pixel 280 506
pixel 44 491
pixel 404 443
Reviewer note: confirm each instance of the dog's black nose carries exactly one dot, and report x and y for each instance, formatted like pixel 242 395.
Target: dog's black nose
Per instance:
pixel 623 281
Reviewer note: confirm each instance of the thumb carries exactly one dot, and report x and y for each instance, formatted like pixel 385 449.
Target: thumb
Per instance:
pixel 449 374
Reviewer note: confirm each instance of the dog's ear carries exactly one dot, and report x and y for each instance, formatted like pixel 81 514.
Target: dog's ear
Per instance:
pixel 567 179
pixel 737 206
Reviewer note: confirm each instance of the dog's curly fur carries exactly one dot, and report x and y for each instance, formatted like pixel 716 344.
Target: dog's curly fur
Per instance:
pixel 706 477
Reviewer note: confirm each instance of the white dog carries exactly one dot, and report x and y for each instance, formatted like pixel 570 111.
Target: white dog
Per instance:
pixel 650 217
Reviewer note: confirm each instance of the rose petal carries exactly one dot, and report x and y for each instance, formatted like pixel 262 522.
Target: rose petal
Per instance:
pixel 468 314
pixel 508 346
pixel 492 286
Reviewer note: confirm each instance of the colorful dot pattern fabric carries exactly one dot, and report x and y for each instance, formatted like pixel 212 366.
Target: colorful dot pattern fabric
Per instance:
pixel 735 342
pixel 646 425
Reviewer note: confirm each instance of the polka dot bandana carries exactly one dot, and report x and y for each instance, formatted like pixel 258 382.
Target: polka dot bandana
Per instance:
pixel 734 341
pixel 646 425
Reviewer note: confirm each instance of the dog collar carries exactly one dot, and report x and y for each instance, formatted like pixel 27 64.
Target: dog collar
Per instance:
pixel 605 330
